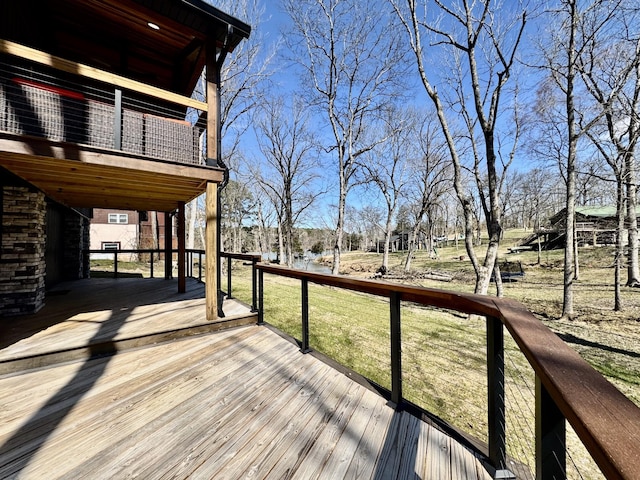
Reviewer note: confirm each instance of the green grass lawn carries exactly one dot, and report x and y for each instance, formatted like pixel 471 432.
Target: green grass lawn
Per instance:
pixel 444 353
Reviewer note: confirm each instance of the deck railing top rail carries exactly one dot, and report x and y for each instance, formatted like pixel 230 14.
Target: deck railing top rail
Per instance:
pixel 605 420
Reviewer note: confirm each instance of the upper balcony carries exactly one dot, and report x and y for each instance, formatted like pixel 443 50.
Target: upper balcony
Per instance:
pixel 50 117
pixel 100 94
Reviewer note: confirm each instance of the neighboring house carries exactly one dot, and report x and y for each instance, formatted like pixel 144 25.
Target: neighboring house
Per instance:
pixel 595 226
pixel 96 112
pixel 127 230
pixel 114 230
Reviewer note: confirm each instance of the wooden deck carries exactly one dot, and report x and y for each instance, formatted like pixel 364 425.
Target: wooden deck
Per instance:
pixel 88 317
pixel 236 403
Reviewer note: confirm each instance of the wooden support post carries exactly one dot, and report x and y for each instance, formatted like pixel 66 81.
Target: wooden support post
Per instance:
pixel 213 159
pixel 182 281
pixel 211 263
pixel 168 247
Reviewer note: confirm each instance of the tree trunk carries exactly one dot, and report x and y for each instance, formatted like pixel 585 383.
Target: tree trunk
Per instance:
pixel 280 244
pixel 337 246
pixel 498 279
pixel 633 273
pixel 413 243
pixel 537 231
pixel 387 240
pixel 619 252
pixel 569 263
pixel 191 230
pixel 288 245
pixel 572 137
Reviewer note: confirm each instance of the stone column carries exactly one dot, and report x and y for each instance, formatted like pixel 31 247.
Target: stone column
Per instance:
pixel 22 256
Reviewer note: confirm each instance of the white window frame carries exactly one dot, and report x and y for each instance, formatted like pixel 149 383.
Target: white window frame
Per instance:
pixel 118 218
pixel 110 245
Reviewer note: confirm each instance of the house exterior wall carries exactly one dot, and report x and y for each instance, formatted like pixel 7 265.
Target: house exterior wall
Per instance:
pixel 22 255
pixel 141 232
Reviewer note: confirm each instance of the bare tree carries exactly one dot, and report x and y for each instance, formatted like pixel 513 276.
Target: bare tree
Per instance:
pixel 386 167
pixel 349 56
pixel 237 204
pixel 429 180
pixel 482 44
pixel 243 76
pixel 289 170
pixel 370 218
pixel 571 30
pixel 610 68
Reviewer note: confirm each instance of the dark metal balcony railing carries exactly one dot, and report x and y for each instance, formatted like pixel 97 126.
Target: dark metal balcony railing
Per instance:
pixel 43 102
pixel 194 264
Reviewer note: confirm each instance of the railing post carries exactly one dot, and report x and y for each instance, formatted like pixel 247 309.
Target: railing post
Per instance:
pixel 229 277
pixel 551 446
pixel 305 316
pixel 261 298
pixel 495 389
pixel 199 266
pixel 117 120
pixel 115 264
pixel 396 346
pixel 254 286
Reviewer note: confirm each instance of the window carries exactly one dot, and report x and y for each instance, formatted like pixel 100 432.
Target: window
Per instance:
pixel 110 245
pixel 118 218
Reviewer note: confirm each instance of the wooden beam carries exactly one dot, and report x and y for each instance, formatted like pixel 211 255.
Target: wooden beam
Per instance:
pixel 68 66
pixel 212 243
pixel 211 260
pixel 168 246
pixel 17 146
pixel 182 281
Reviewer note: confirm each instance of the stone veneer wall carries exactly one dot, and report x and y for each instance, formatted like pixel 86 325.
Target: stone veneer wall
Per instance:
pixel 22 253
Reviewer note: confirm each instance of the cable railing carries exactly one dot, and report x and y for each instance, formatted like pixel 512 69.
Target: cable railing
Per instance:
pixel 195 265
pixel 53 100
pixel 541 399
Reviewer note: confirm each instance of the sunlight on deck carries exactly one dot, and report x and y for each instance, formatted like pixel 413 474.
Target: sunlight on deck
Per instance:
pixel 200 403
pixel 233 404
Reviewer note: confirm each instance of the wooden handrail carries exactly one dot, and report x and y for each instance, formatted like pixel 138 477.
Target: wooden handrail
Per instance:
pixel 68 66
pixel 242 256
pixel 605 420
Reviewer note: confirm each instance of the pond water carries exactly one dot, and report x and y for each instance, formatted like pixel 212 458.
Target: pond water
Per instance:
pixel 307 262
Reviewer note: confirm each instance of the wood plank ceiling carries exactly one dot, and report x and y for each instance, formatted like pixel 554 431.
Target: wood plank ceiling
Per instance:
pixel 106 180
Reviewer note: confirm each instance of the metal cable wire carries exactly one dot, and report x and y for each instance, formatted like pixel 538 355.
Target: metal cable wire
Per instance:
pixel 36 102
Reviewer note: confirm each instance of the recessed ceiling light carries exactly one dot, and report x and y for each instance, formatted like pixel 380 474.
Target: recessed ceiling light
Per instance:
pixel 153 25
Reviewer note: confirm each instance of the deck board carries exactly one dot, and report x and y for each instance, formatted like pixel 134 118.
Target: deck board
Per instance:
pixel 200 403
pixel 98 315
pixel 241 403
